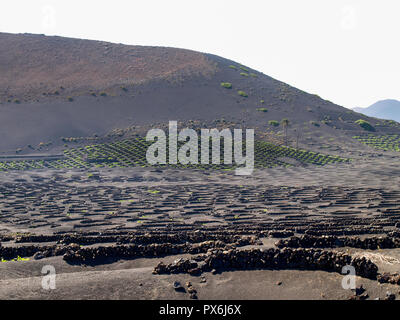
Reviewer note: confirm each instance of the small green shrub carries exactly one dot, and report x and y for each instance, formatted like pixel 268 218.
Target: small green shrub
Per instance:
pixel 273 123
pixel 242 94
pixel 262 109
pixel 233 67
pixel 244 68
pixel 226 85
pixel 103 94
pixel 244 74
pixel 365 125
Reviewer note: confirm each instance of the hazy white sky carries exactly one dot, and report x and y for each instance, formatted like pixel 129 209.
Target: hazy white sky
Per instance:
pixel 346 51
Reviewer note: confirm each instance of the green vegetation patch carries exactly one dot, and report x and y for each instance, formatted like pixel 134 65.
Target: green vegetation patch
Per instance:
pixel 15 259
pixel 262 109
pixel 273 123
pixel 365 125
pixel 388 142
pixel 242 94
pixel 226 85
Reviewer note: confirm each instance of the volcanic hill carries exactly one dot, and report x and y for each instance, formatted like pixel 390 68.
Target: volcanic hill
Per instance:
pixel 52 88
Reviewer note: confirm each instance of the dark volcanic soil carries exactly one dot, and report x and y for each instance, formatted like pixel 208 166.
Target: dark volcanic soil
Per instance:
pixel 81 227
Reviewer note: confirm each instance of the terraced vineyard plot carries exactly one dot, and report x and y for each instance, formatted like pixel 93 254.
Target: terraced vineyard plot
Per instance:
pixel 269 155
pixel 389 142
pixel 132 152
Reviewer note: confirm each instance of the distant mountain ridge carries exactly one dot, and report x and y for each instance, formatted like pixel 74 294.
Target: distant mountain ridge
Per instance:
pixel 385 109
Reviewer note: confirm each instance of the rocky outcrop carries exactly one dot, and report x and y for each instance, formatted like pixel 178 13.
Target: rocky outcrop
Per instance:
pixel 286 258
